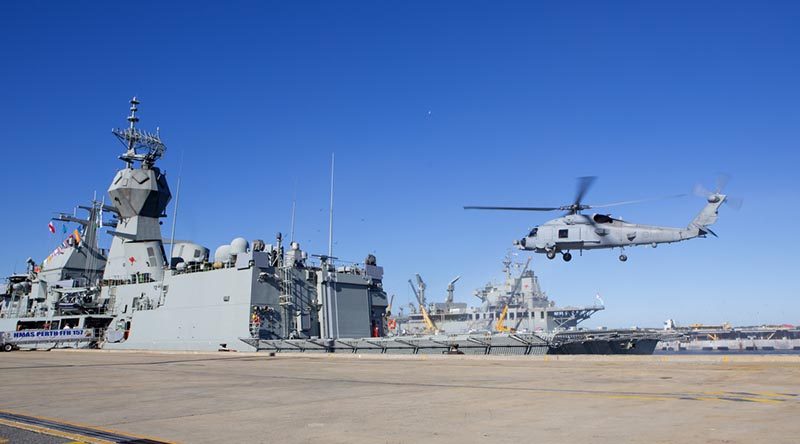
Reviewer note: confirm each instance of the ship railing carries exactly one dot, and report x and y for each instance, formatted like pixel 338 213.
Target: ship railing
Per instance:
pixel 200 267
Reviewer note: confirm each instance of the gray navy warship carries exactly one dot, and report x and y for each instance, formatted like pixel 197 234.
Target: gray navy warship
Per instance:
pixel 517 304
pixel 708 339
pixel 251 295
pixel 517 307
pixel 131 297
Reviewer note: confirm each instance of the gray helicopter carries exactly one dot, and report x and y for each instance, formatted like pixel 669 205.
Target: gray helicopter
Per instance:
pixel 576 231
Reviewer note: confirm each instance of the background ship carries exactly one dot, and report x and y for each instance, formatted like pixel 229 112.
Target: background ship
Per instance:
pixel 517 304
pixel 516 307
pixel 700 338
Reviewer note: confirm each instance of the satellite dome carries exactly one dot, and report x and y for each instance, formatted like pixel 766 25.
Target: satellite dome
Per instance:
pixel 223 254
pixel 239 246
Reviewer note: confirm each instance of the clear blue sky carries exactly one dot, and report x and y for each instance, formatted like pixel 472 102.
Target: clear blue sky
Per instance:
pixel 429 106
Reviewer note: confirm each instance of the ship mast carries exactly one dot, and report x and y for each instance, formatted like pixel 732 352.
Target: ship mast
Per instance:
pixel 141 146
pixel 140 194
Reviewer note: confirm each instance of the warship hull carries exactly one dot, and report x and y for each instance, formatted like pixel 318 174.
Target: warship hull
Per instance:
pixel 606 342
pixel 606 347
pixel 732 346
pixel 727 339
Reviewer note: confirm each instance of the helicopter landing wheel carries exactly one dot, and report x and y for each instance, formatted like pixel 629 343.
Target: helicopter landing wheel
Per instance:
pixel 551 254
pixel 567 256
pixel 623 257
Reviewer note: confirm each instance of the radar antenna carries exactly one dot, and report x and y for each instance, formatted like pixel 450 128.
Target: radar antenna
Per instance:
pixel 141 145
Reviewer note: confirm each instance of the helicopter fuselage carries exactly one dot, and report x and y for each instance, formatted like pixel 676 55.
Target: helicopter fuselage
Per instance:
pixel 589 232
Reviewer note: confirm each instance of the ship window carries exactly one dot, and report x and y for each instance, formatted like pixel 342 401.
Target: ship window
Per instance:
pixel 563 234
pixel 541 315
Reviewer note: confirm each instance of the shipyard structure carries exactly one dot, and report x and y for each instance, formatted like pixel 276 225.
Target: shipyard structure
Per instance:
pixel 252 295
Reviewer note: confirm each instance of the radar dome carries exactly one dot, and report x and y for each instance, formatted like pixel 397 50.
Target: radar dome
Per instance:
pixel 223 253
pixel 189 252
pixel 239 246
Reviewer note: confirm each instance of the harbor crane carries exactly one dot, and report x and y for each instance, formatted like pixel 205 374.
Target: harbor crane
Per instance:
pixel 451 287
pixel 500 325
pixel 419 292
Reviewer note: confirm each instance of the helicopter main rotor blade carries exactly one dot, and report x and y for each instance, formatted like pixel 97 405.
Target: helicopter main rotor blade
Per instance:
pixel 722 182
pixel 513 208
pixel 627 202
pixel 584 183
pixel 735 202
pixel 701 191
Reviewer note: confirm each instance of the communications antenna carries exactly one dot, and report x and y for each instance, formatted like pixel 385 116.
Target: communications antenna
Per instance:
pixel 142 146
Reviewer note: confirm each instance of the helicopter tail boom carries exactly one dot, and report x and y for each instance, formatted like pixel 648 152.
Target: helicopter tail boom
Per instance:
pixel 709 214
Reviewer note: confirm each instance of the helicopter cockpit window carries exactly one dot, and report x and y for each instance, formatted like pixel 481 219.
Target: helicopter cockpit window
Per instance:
pixel 602 219
pixel 533 232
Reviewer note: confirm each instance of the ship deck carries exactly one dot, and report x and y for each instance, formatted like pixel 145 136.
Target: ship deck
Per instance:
pixel 249 397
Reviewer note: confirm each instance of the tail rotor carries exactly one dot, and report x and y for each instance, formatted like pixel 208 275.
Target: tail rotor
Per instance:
pixel 721 182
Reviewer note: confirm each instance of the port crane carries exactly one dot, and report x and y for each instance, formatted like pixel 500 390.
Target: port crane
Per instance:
pixel 500 325
pixel 419 292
